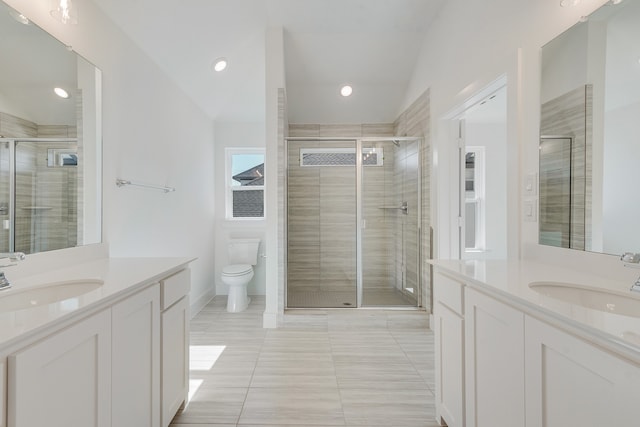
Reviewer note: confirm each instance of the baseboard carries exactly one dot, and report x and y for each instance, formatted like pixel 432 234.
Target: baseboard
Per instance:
pixel 201 302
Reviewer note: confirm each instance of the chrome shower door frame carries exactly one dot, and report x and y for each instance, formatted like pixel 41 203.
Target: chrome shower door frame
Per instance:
pixel 359 207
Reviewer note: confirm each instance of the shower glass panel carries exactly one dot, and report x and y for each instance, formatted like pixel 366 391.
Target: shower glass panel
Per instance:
pixel 321 224
pixel 39 195
pixel 390 214
pixel 5 196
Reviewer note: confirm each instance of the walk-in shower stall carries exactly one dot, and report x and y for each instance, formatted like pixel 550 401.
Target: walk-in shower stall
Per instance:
pixel 353 222
pixel 40 201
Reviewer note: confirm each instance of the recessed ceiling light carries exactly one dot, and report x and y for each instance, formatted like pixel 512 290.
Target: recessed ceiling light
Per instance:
pixel 61 92
pixel 19 17
pixel 346 90
pixel 616 1
pixel 220 64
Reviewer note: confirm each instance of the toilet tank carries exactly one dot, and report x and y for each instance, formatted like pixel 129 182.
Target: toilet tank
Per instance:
pixel 243 251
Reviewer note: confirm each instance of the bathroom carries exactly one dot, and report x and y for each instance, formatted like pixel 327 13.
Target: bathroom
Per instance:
pixel 153 131
pixel 123 146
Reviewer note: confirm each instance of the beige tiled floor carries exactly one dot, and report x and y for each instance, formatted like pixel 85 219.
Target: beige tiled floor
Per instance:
pixel 322 368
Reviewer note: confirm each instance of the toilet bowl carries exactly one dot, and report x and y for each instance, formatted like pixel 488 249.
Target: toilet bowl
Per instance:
pixel 243 255
pixel 237 276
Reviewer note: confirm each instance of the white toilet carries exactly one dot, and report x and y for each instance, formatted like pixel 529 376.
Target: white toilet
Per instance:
pixel 243 255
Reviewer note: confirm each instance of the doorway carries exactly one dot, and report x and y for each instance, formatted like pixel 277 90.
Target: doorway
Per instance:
pixel 480 178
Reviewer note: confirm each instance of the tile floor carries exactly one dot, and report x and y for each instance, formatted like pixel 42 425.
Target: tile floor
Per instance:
pixel 321 368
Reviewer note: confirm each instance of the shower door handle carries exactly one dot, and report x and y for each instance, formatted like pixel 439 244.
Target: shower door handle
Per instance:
pixel 404 207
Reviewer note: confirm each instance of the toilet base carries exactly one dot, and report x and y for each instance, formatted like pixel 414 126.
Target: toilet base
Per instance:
pixel 237 300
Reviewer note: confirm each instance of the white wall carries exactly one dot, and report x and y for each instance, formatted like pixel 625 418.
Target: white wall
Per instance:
pixel 470 45
pixel 152 133
pixel 274 80
pixel 621 203
pixel 236 135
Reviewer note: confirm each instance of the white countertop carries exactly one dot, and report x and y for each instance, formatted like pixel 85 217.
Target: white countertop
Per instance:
pixel 509 281
pixel 121 276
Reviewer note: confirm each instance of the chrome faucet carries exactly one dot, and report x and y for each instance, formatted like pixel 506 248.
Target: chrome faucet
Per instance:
pixel 13 257
pixel 632 258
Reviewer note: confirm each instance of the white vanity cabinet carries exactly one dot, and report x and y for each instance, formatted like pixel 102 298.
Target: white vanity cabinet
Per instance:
pixel 135 390
pixel 524 365
pixel 64 379
pixel 175 343
pixel 122 363
pixel 448 316
pixel 494 362
pixel 571 382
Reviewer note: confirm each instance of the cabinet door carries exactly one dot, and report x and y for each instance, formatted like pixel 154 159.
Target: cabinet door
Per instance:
pixel 175 358
pixel 63 380
pixel 136 360
pixel 573 383
pixel 449 338
pixel 449 343
pixel 494 362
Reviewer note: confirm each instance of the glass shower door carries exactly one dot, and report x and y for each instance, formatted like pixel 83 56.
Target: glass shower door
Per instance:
pixel 321 224
pixel 390 223
pixel 46 196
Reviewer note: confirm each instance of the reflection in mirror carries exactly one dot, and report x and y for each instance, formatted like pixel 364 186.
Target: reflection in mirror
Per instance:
pixel 50 145
pixel 555 191
pixel 590 93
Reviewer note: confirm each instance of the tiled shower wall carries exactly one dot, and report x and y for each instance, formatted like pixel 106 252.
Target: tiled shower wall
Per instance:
pixel 46 198
pixel 570 115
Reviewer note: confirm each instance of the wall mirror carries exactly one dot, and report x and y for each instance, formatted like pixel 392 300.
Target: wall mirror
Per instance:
pixel 589 133
pixel 50 142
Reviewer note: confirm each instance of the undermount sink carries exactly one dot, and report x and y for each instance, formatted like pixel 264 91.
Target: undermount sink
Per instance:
pixel 19 299
pixel 626 304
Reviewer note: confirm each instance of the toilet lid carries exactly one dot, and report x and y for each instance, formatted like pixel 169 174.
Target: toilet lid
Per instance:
pixel 236 269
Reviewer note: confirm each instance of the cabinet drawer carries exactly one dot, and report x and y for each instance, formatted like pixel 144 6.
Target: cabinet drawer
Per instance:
pixel 448 292
pixel 175 287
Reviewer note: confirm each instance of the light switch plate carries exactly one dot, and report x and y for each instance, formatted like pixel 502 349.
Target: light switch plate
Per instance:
pixel 531 185
pixel 530 210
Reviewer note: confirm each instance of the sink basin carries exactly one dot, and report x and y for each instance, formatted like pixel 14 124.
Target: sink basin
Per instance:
pixel 626 304
pixel 19 299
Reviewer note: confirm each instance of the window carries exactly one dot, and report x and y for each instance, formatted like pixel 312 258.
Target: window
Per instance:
pixel 474 226
pixel 340 156
pixel 245 183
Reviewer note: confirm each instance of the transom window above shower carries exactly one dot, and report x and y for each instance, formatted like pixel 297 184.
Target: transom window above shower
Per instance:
pixel 372 156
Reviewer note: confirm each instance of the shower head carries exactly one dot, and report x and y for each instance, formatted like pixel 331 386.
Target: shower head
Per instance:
pixel 396 142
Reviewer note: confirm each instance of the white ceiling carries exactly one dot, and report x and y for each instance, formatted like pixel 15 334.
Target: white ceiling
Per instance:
pixel 370 44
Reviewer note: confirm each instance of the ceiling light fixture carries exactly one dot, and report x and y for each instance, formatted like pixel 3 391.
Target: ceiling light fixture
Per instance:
pixel 61 92
pixel 64 11
pixel 19 17
pixel 616 1
pixel 346 90
pixel 220 64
